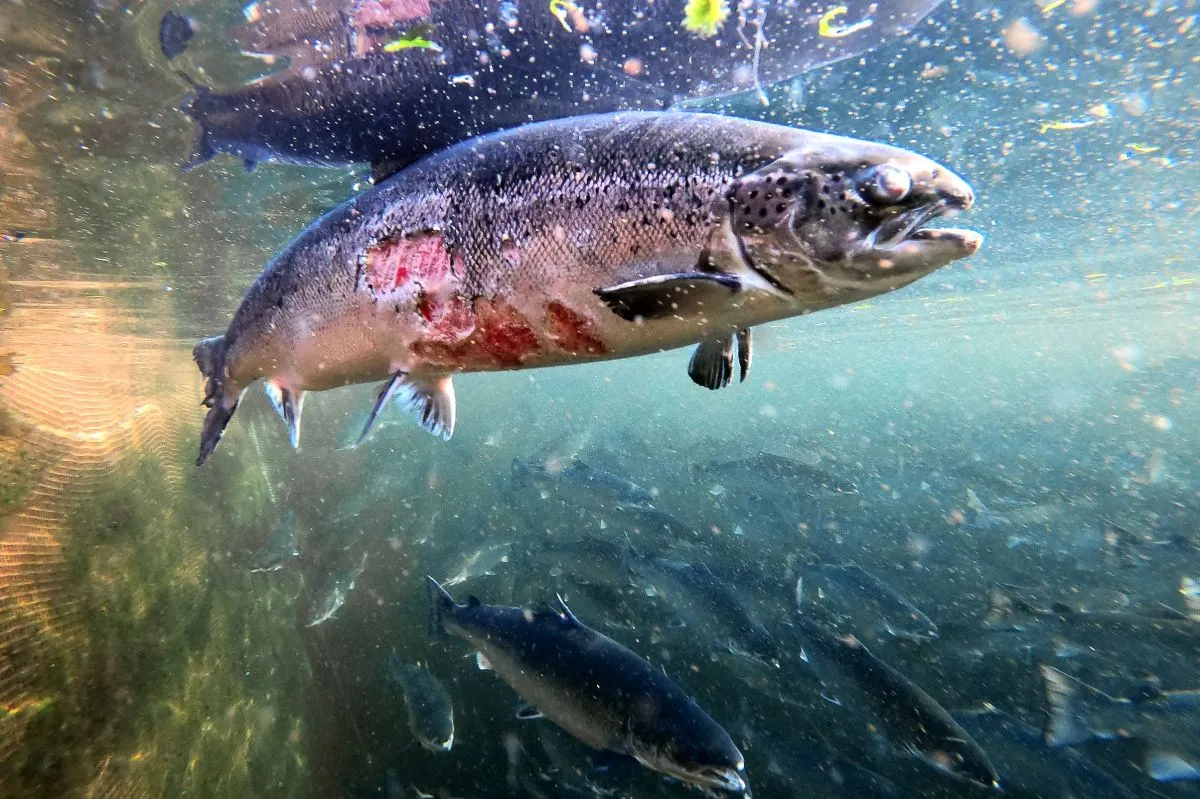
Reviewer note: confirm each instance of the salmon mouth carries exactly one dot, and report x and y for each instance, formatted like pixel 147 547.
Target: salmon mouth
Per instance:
pixel 900 227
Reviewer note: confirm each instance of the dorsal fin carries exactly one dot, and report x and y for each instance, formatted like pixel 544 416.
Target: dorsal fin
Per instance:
pixel 473 601
pixel 565 611
pixel 383 170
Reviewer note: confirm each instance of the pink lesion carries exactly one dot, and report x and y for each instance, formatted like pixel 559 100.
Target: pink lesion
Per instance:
pixel 500 337
pixel 398 264
pixel 571 331
pixel 388 13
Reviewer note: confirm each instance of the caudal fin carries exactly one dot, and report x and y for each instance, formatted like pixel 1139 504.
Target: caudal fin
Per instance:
pixel 194 106
pixel 440 604
pixel 1076 712
pixel 209 355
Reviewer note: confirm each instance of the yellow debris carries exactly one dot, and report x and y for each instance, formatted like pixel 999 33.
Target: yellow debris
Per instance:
pixel 1068 125
pixel 827 28
pixel 705 17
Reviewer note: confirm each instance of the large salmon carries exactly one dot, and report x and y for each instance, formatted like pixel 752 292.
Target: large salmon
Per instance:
pixel 576 240
pixel 487 65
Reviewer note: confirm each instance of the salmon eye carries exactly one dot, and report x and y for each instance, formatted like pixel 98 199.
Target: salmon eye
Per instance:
pixel 888 184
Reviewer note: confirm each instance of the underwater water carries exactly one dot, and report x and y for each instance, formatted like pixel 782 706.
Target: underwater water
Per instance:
pixel 989 479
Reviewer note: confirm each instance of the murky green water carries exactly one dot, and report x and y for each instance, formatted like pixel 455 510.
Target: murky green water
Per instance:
pixel 1055 375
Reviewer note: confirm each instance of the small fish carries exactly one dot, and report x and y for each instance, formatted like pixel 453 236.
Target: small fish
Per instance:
pixel 175 32
pixel 577 481
pixel 861 602
pixel 465 262
pixel 910 718
pixel 828 29
pixel 1166 720
pixel 278 549
pixel 480 562
pixel 333 596
pixel 594 688
pixel 430 711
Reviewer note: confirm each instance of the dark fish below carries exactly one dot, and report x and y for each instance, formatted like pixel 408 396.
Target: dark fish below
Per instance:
pixel 594 688
pixel 909 717
pixel 577 481
pixel 1028 768
pixel 430 710
pixel 483 67
pixel 579 240
pixel 710 606
pixel 767 465
pixel 862 602
pixel 1167 721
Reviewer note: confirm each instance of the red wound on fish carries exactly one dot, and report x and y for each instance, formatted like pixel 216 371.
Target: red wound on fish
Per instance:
pixel 504 333
pixel 448 320
pixel 572 332
pixel 392 264
pixel 386 13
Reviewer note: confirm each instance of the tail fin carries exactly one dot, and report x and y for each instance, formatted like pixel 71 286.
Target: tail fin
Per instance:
pixel 194 106
pixel 209 355
pixel 440 603
pixel 1074 710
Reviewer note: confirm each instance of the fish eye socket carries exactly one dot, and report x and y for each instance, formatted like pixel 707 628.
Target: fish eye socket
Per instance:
pixel 888 184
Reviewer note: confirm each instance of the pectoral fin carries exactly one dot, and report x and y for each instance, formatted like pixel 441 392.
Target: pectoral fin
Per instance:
pixel 288 404
pixel 683 294
pixel 711 365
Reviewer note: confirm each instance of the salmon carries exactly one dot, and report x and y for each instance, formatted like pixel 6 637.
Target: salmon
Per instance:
pixel 493 64
pixel 579 240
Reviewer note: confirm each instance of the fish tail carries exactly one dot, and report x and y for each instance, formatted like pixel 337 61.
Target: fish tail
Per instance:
pixel 204 149
pixel 209 355
pixel 440 603
pixel 1063 726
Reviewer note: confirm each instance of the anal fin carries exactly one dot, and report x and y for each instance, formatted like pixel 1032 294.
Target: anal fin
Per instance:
pixel 430 399
pixel 289 405
pixel 682 294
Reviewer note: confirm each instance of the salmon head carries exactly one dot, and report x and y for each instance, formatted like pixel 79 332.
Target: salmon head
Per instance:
pixel 708 759
pixel 847 217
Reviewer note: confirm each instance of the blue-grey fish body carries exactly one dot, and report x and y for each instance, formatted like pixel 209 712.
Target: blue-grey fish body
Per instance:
pixel 578 482
pixel 594 688
pixel 904 713
pixel 574 241
pixel 1167 721
pixel 861 602
pixel 1030 768
pixel 278 549
pixel 430 709
pixel 337 588
pixel 486 65
pixel 710 605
